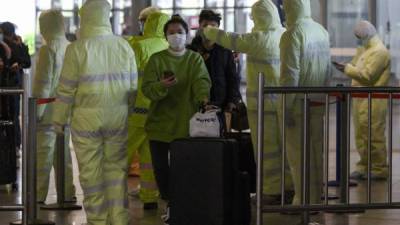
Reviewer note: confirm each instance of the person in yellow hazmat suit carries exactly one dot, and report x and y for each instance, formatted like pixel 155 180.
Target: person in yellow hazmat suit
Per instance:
pixel 47 74
pixel 144 14
pixel 262 49
pixel 98 83
pixel 370 67
pixel 153 41
pixel 305 62
pixel 135 160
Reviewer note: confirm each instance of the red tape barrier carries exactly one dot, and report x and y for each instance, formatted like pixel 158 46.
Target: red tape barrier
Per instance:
pixel 43 101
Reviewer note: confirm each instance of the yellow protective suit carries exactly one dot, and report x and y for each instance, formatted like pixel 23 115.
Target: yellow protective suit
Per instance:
pixel 370 68
pixel 305 59
pixel 153 41
pixel 47 74
pixel 98 79
pixel 262 49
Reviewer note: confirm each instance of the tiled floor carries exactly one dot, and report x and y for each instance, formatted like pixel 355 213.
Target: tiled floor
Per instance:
pixel 140 217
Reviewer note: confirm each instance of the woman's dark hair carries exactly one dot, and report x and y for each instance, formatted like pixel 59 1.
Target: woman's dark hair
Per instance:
pixel 210 15
pixel 8 28
pixel 176 19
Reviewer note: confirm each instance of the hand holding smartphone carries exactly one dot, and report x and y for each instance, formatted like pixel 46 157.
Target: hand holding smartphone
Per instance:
pixel 339 66
pixel 169 79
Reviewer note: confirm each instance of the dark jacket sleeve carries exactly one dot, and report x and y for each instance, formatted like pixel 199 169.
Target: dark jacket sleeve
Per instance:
pixel 25 58
pixel 20 55
pixel 233 79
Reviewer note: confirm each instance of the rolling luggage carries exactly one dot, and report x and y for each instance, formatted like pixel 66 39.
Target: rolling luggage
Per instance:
pixel 247 161
pixel 8 128
pixel 8 158
pixel 206 185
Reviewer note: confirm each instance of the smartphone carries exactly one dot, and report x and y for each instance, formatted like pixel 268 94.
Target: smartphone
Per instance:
pixel 337 63
pixel 168 74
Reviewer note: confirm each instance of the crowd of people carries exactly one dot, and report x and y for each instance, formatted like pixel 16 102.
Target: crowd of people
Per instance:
pixel 123 96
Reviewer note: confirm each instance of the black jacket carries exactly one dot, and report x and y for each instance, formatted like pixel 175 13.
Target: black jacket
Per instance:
pixel 222 69
pixel 20 55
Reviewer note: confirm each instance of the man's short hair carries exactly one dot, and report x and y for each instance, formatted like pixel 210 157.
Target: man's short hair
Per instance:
pixel 210 15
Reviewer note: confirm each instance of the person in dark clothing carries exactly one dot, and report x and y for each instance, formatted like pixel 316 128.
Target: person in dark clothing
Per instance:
pixel 20 59
pixel 220 64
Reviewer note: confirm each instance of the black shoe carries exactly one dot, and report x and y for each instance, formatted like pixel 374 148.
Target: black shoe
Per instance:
pixel 150 205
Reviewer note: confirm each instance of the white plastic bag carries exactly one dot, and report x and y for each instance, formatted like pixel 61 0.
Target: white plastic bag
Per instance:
pixel 205 124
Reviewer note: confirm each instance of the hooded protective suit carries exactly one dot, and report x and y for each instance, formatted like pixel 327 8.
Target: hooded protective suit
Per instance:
pixel 370 68
pixel 98 79
pixel 47 74
pixel 153 41
pixel 147 12
pixel 261 47
pixel 305 59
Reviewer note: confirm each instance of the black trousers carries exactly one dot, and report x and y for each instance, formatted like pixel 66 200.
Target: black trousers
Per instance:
pixel 160 159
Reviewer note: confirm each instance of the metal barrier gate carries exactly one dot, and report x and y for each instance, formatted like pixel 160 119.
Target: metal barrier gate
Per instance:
pixel 346 93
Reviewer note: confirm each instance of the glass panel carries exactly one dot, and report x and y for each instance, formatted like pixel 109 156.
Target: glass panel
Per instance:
pixel 215 3
pixel 44 4
pixel 243 23
pixel 163 3
pixel 246 3
pixel 230 20
pixel 189 3
pixel 67 4
pixel 230 3
pixel 389 30
pixel 342 16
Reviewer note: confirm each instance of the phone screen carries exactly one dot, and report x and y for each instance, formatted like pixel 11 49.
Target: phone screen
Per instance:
pixel 168 74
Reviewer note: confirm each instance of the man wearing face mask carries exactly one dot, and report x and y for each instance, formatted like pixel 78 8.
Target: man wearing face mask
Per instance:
pixel 262 49
pixel 370 67
pixel 220 64
pixel 305 62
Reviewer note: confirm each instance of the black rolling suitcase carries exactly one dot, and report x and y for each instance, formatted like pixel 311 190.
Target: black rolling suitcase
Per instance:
pixel 8 127
pixel 247 162
pixel 206 185
pixel 8 158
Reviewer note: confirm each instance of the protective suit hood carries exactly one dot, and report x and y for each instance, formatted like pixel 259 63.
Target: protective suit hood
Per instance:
pixel 147 11
pixel 296 10
pixel 95 19
pixel 265 16
pixel 51 24
pixel 364 30
pixel 154 26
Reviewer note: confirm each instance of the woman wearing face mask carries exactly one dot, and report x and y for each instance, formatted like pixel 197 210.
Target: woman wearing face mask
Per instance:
pixel 177 83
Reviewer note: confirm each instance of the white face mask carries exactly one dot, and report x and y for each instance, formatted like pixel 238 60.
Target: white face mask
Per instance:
pixel 177 41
